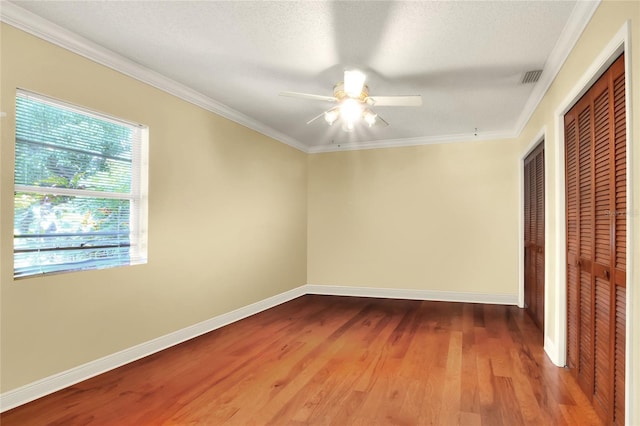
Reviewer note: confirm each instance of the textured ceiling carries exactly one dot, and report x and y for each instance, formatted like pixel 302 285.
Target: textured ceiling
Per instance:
pixel 466 59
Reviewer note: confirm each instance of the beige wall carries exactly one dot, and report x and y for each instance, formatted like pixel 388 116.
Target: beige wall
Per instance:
pixel 435 217
pixel 227 222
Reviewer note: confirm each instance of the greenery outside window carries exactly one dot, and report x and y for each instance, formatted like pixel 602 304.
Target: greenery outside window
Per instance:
pixel 80 189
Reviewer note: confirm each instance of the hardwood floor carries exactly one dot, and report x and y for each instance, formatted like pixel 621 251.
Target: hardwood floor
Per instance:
pixel 328 360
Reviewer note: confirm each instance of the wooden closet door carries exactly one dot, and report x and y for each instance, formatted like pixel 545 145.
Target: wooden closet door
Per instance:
pixel 595 155
pixel 534 234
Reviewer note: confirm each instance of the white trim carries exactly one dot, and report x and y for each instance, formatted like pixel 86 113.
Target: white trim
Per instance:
pixel 48 385
pixel 48 31
pixel 550 347
pixel 548 247
pixel 60 104
pixel 632 411
pixel 619 43
pixel 559 357
pixel 521 265
pixel 577 22
pixel 413 294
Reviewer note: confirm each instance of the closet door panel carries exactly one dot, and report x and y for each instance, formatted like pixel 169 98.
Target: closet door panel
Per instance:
pixel 602 179
pixel 602 359
pixel 585 247
pixel 573 300
pixel 595 164
pixel 585 361
pixel 619 355
pixel 534 234
pixel 539 237
pixel 585 186
pixel 602 195
pixel 527 235
pixel 620 159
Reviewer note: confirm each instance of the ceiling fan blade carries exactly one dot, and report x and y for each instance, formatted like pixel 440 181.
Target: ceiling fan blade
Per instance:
pixel 411 100
pixel 316 117
pixel 353 83
pixel 309 96
pixel 381 121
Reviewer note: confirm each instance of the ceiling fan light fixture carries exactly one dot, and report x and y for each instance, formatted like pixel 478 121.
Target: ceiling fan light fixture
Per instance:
pixel 331 116
pixel 350 110
pixel 353 83
pixel 352 103
pixel 369 117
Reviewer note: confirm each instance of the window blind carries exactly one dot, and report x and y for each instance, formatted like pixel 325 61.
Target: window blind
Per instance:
pixel 79 200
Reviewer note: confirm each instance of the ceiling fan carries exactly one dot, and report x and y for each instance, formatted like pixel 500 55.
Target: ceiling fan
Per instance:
pixel 354 102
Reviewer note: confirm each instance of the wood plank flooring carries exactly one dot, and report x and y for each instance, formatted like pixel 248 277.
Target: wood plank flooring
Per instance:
pixel 329 360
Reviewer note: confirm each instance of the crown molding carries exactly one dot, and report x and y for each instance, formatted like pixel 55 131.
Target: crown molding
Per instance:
pixel 35 25
pixel 580 17
pixel 48 31
pixel 396 143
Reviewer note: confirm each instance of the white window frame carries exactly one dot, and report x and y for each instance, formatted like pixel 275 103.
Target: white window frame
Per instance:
pixel 138 195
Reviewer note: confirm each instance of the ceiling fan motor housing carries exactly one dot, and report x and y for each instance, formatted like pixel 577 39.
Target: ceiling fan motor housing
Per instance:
pixel 340 94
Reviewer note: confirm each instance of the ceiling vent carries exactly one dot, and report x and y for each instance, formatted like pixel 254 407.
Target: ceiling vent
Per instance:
pixel 531 76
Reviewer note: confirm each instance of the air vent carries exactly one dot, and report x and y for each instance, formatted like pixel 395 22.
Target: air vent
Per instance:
pixel 531 76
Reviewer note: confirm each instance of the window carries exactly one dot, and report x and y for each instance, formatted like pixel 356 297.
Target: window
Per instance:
pixel 80 189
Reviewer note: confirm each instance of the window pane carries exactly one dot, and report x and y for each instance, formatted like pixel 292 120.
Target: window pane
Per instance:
pixel 64 149
pixel 62 233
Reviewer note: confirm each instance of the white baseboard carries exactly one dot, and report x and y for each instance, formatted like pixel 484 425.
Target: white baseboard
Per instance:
pixel 48 385
pixel 551 350
pixel 433 295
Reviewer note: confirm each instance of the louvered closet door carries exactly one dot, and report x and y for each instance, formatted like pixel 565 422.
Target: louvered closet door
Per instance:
pixel 534 234
pixel 595 154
